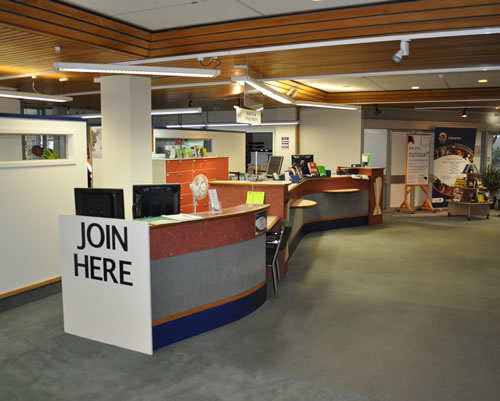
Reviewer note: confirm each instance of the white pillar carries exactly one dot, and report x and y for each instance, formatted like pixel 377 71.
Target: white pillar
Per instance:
pixel 126 136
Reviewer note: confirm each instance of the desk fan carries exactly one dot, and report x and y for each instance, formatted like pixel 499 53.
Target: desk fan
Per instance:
pixel 199 188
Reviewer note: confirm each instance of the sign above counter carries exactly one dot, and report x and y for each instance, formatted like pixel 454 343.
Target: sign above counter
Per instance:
pixel 246 116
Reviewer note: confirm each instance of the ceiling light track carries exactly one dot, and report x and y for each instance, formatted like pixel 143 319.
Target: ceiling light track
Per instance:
pixel 328 43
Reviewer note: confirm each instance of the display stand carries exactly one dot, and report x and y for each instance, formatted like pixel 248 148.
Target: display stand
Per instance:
pixel 417 170
pixel 469 198
pixel 426 205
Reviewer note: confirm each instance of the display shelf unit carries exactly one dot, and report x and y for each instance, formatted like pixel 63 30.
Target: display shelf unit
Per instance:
pixel 471 202
pixel 183 171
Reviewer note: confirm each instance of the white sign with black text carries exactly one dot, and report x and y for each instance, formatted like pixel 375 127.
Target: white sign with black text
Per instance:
pixel 106 286
pixel 418 159
pixel 246 116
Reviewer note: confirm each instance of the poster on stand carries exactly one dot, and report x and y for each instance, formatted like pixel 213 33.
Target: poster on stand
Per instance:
pixel 453 150
pixel 417 162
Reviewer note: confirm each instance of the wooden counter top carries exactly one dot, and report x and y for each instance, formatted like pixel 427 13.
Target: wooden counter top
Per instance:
pixel 225 213
pixel 342 191
pixel 303 203
pixel 250 183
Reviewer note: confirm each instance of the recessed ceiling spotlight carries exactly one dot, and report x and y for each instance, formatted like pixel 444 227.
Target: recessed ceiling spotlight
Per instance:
pixel 63 79
pixel 415 87
pixel 482 81
pixel 346 86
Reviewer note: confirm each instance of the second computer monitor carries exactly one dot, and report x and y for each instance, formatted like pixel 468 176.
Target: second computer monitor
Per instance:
pixel 274 166
pixel 155 200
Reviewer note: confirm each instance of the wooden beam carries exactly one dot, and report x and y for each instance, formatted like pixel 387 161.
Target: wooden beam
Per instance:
pixel 414 96
pixel 62 21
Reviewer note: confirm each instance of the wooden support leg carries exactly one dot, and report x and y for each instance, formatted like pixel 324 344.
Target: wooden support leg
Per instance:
pixel 405 206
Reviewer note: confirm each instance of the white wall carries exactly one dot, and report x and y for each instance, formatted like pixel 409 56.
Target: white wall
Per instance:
pixel 333 136
pixel 11 147
pixel 230 144
pixel 10 106
pixel 33 197
pixel 277 114
pixel 375 143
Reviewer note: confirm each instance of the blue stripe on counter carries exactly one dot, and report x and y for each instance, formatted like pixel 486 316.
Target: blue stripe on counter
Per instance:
pixel 176 330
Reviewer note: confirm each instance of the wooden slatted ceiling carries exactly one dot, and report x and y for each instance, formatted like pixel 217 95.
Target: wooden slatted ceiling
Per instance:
pixel 85 37
pixel 64 21
pixel 57 18
pixel 338 24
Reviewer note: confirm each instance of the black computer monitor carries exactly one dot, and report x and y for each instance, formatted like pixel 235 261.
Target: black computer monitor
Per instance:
pixel 274 165
pixel 99 202
pixel 155 200
pixel 301 162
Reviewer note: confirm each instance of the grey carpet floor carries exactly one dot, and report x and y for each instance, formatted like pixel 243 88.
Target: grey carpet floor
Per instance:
pixel 406 311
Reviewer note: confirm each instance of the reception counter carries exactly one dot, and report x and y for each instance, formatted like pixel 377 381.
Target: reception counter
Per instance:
pixel 314 204
pixel 142 286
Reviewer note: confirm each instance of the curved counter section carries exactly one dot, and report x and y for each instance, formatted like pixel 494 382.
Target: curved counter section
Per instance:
pixel 339 202
pixel 314 204
pixel 205 273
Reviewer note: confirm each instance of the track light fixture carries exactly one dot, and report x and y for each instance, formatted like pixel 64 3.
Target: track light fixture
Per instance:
pixel 377 110
pixel 133 70
pixel 157 112
pixel 280 97
pixel 464 113
pixel 263 88
pixel 326 105
pixel 34 96
pixel 404 50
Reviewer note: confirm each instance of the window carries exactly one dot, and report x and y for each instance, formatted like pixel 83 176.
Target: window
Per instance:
pixel 495 151
pixel 17 147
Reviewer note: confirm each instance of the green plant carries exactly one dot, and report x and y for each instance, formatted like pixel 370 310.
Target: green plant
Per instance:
pixel 491 179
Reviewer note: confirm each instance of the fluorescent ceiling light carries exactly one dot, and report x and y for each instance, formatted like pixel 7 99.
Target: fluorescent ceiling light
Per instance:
pixel 187 110
pixel 157 112
pixel 281 123
pixel 34 96
pixel 326 105
pixel 132 70
pixel 213 125
pixel 263 88
pixel 226 125
pixel 88 116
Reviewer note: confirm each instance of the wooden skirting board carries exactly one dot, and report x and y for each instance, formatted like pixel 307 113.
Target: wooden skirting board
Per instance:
pixel 30 287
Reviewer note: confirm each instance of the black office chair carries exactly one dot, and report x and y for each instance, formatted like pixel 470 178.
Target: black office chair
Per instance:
pixel 276 242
